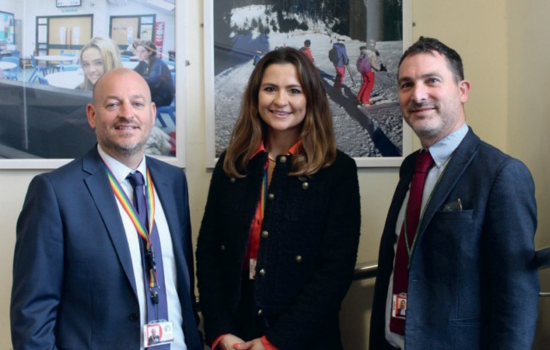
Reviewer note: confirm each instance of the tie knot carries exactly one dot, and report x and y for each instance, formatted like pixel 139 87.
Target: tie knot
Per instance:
pixel 136 179
pixel 424 162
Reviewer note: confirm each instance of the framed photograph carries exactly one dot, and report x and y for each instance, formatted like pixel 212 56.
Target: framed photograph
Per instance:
pixel 237 35
pixel 46 87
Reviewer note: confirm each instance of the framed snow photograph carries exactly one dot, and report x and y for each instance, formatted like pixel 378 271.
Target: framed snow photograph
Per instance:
pixel 43 97
pixel 238 33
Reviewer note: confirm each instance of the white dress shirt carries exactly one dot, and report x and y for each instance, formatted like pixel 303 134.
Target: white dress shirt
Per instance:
pixel 120 171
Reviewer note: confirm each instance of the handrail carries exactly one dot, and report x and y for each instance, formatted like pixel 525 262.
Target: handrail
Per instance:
pixel 542 259
pixel 365 270
pixel 369 269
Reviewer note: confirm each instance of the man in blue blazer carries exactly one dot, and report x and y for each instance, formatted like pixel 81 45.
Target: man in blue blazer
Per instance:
pixel 78 278
pixel 472 281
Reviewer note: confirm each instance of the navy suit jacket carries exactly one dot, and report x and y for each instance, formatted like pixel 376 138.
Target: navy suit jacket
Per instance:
pixel 473 283
pixel 73 282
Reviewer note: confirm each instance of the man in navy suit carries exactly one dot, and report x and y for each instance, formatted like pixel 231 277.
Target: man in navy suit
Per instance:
pixel 472 281
pixel 78 277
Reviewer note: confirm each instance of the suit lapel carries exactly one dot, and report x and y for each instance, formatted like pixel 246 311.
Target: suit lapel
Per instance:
pixel 170 208
pixel 100 190
pixel 405 178
pixel 459 162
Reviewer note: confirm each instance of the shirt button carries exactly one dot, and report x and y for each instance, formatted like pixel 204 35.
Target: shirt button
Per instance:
pixel 262 272
pixel 265 234
pixel 298 258
pixel 222 248
pixel 133 317
pixel 271 196
pixel 260 312
pixel 283 159
pixel 232 180
pixel 305 185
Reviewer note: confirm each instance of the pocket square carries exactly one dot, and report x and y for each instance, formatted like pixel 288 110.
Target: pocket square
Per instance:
pixel 453 206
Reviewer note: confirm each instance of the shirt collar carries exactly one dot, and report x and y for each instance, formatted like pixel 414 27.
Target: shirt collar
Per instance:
pixel 443 149
pixel 261 148
pixel 119 170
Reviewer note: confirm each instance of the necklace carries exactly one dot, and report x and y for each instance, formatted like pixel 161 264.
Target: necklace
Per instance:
pixel 271 159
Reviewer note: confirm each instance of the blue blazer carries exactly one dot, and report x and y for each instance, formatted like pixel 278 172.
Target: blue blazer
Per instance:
pixel 73 282
pixel 472 280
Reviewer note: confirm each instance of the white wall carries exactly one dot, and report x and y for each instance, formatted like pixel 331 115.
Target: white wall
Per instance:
pixel 504 47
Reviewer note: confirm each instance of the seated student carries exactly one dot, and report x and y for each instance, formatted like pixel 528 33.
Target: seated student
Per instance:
pixel 97 57
pixel 156 73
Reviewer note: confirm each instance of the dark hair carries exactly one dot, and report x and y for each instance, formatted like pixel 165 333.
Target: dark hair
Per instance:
pixel 318 147
pixel 151 47
pixel 307 43
pixel 431 45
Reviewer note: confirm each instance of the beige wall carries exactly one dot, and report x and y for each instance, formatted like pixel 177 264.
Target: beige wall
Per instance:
pixel 504 47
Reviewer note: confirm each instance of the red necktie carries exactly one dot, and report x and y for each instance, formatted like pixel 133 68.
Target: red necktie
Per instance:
pixel 424 162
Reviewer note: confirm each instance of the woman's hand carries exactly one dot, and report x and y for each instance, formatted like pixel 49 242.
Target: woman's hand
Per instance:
pixel 228 342
pixel 255 344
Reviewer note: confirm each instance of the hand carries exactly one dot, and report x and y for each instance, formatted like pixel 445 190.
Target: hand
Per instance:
pixel 228 341
pixel 255 344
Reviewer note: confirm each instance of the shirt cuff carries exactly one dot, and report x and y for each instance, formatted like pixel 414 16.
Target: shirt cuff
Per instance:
pixel 217 341
pixel 267 345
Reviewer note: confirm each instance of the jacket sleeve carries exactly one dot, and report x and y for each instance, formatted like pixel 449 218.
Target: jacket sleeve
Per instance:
pixel 213 301
pixel 37 269
pixel 513 286
pixel 322 295
pixel 155 74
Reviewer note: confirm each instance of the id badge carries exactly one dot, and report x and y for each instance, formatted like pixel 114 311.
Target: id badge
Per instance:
pixel 399 306
pixel 252 271
pixel 157 333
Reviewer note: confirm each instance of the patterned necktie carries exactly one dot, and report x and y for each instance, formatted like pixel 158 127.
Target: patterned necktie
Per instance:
pixel 405 244
pixel 157 305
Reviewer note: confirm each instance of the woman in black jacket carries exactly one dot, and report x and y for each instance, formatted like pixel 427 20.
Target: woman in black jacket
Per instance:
pixel 278 242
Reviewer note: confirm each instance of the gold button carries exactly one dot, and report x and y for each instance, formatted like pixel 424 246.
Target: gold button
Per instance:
pixel 265 234
pixel 271 196
pixel 260 312
pixel 232 180
pixel 262 272
pixel 305 185
pixel 298 258
pixel 283 159
pixel 222 248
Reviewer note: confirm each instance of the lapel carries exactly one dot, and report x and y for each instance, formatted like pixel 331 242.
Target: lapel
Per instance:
pixel 461 158
pixel 100 190
pixel 170 206
pixel 406 173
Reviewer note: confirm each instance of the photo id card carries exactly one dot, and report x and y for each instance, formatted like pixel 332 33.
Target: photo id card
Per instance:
pixel 399 306
pixel 252 272
pixel 158 333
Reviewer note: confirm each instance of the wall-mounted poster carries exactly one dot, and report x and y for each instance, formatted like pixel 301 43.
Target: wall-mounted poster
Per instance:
pixel 7 27
pixel 43 97
pixel 238 33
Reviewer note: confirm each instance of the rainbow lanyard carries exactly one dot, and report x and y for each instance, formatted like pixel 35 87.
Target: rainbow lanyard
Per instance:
pixel 134 217
pixel 263 194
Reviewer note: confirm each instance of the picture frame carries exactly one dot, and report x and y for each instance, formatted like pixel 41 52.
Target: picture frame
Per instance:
pixel 45 126
pixel 234 37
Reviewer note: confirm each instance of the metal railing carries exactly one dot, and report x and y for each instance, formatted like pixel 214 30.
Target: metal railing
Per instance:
pixel 542 258
pixel 369 269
